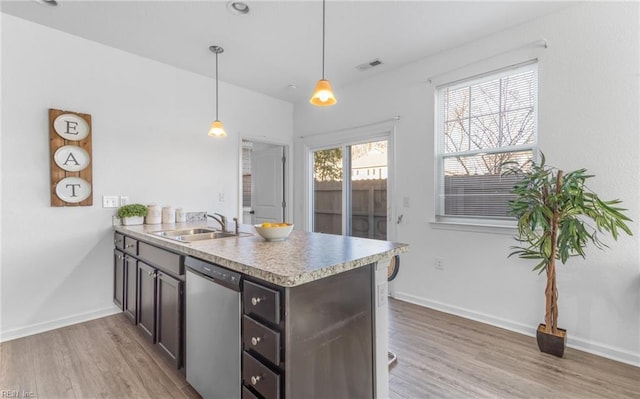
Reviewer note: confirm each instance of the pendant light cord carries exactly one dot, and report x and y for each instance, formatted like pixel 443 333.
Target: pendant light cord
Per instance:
pixel 216 86
pixel 323 23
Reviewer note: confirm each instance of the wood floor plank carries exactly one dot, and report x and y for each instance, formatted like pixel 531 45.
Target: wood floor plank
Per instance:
pixel 51 366
pixel 17 373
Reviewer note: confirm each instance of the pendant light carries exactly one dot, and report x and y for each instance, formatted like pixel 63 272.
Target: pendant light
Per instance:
pixel 323 94
pixel 217 130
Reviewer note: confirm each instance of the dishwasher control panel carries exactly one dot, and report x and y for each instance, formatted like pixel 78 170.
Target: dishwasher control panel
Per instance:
pixel 219 274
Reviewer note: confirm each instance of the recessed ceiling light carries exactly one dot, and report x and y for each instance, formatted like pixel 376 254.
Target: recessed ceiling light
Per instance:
pixel 51 3
pixel 292 86
pixel 238 7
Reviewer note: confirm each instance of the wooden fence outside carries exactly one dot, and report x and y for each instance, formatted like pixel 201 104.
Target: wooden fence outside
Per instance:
pixel 368 208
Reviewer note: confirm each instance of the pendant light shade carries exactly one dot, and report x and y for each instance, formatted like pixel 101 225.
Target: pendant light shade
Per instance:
pixel 217 130
pixel 323 94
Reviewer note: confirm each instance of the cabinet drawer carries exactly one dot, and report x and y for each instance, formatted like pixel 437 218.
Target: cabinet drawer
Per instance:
pixel 262 339
pixel 261 301
pixel 247 394
pixel 260 377
pixel 168 261
pixel 118 241
pixel 130 246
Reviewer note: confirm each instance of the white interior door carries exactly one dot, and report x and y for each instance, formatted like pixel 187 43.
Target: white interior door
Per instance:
pixel 267 179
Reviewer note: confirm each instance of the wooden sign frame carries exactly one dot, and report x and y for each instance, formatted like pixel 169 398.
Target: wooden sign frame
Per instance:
pixel 71 158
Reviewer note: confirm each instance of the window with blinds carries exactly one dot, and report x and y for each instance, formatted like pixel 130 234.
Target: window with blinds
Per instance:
pixel 484 122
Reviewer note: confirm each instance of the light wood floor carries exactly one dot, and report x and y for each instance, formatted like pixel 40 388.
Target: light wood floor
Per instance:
pixel 445 356
pixel 439 356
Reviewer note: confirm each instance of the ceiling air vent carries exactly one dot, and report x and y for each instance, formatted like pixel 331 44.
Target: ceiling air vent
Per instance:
pixel 369 65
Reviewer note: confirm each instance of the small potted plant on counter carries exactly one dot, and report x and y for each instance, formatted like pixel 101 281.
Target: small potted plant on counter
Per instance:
pixel 554 213
pixel 132 214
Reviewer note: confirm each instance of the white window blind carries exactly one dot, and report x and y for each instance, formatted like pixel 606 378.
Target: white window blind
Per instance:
pixel 483 122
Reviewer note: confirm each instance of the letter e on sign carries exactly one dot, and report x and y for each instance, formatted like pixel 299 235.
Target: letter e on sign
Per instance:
pixel 71 127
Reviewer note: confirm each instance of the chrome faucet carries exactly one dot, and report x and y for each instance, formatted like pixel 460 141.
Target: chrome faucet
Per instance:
pixel 222 220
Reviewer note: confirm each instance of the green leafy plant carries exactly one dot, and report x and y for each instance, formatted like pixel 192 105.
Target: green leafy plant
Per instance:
pixel 132 210
pixel 557 217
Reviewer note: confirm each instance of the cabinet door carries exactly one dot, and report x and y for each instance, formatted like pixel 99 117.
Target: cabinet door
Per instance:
pixel 131 283
pixel 118 278
pixel 168 320
pixel 146 310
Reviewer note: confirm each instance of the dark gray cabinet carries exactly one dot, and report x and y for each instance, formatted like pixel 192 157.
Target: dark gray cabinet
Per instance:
pixel 311 341
pixel 118 278
pixel 149 288
pixel 169 315
pixel 160 309
pixel 146 296
pixel 262 360
pixel 130 288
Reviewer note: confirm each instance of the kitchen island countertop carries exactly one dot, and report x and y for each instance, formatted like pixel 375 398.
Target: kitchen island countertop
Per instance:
pixel 301 258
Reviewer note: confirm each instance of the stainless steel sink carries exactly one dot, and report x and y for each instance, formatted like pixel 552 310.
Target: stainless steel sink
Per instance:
pixel 190 235
pixel 182 232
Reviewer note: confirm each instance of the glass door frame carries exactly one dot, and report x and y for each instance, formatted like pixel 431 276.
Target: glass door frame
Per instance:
pixel 344 138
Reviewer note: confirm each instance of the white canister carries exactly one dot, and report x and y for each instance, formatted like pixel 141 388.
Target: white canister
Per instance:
pixel 153 214
pixel 168 214
pixel 181 216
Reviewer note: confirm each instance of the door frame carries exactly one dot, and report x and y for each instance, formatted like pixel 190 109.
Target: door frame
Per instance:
pixel 288 177
pixel 340 138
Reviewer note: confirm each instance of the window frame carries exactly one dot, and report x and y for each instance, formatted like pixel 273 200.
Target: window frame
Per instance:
pixel 476 223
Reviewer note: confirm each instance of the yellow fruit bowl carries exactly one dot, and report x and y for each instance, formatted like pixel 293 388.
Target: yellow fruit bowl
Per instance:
pixel 274 231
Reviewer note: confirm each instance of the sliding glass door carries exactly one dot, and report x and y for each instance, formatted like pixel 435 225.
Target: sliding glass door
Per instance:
pixel 349 194
pixel 328 176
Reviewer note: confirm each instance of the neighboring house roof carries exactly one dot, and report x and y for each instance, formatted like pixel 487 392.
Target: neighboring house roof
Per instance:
pixel 372 165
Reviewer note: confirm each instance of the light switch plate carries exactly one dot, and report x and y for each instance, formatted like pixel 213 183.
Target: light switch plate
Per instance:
pixel 109 201
pixel 124 200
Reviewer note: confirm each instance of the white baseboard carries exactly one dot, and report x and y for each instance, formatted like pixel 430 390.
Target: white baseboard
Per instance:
pixel 584 345
pixel 53 324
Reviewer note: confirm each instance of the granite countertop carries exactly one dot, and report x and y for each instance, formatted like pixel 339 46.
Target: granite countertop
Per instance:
pixel 301 258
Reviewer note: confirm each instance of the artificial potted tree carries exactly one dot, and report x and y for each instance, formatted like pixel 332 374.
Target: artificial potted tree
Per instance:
pixel 132 214
pixel 557 217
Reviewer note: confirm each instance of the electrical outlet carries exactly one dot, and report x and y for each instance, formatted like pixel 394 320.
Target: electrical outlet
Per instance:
pixel 382 294
pixel 124 200
pixel 439 264
pixel 221 197
pixel 109 201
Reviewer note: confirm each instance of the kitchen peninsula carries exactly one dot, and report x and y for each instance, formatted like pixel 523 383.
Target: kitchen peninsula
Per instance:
pixel 311 311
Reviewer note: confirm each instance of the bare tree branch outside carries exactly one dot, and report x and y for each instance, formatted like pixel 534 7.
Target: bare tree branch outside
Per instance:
pixel 485 125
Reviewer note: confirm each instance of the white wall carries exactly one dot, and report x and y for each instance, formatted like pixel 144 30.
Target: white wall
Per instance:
pixel 588 117
pixel 150 124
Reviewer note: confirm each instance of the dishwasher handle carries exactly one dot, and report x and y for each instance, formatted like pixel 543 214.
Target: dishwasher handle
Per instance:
pixel 215 273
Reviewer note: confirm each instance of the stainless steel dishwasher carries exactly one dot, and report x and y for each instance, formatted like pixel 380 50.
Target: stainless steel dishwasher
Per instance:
pixel 213 330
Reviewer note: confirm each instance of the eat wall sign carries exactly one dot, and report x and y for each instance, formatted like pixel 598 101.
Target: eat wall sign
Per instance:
pixel 70 145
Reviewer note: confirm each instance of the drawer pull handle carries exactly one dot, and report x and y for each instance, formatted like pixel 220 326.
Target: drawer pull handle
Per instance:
pixel 255 340
pixel 150 273
pixel 119 256
pixel 255 301
pixel 255 379
pixel 117 241
pixel 130 246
